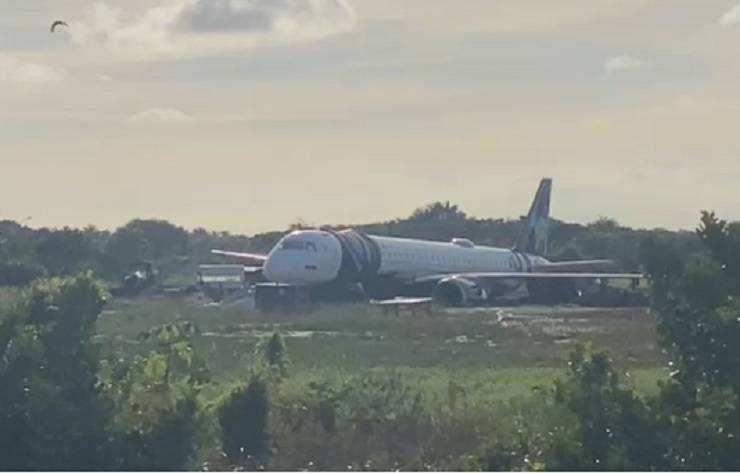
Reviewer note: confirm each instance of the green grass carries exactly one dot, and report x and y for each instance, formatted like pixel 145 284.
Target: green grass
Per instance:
pixel 499 354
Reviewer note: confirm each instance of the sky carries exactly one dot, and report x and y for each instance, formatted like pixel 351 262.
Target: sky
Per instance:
pixel 250 115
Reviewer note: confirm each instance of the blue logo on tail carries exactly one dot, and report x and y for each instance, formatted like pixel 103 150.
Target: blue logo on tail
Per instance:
pixel 533 238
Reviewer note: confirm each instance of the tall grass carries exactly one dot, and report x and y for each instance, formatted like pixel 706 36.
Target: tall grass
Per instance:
pixel 371 391
pixel 509 352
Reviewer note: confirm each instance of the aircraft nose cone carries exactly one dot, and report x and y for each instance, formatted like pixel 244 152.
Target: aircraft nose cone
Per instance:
pixel 271 269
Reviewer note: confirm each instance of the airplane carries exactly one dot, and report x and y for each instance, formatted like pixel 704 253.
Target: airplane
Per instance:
pixel 455 273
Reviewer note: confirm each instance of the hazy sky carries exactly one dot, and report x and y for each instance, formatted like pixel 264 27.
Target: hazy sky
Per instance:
pixel 246 115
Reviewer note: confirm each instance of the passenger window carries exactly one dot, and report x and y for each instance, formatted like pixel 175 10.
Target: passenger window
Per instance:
pixel 311 246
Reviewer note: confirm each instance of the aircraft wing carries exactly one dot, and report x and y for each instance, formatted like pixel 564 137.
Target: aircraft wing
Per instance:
pixel 532 275
pixel 253 257
pixel 576 266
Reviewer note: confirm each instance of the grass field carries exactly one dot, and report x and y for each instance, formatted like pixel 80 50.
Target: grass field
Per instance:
pixel 491 353
pixel 430 392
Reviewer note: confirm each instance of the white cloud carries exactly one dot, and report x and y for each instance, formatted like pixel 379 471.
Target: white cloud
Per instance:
pixel 196 27
pixel 18 71
pixel 731 16
pixel 160 115
pixel 623 63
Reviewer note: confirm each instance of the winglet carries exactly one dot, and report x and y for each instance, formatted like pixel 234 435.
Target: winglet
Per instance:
pixel 533 238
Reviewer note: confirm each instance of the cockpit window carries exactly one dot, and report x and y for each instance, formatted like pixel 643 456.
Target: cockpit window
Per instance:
pixel 293 245
pixel 299 245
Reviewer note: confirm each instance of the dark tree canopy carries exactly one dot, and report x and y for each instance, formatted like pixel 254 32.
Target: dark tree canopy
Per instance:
pixel 26 253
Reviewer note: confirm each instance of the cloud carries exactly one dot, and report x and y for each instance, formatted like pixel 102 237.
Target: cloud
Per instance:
pixel 317 17
pixel 197 27
pixel 115 29
pixel 623 63
pixel 16 71
pixel 731 16
pixel 160 115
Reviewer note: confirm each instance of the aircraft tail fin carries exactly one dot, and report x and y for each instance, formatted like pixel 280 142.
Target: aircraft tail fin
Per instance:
pixel 533 237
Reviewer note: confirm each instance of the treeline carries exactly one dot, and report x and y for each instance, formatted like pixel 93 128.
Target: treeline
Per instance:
pixel 27 254
pixel 63 406
pixel 604 238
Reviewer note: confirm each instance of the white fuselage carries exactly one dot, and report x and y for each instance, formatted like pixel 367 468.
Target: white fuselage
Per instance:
pixel 419 257
pixel 314 256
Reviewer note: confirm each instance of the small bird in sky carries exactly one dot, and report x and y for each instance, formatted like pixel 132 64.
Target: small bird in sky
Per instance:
pixel 57 23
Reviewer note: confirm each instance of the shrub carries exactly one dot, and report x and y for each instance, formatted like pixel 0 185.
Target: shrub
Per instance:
pixel 52 416
pixel 243 416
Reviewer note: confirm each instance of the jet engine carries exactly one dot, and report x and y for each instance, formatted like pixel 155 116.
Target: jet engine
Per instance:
pixel 455 291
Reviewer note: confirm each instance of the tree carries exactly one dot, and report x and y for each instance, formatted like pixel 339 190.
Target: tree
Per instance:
pixel 164 238
pixel 243 416
pixel 154 398
pixel 125 247
pixel 604 224
pixel 439 211
pixel 52 417
pixel 615 429
pixel 19 274
pixel 61 409
pixel 698 313
pixel 64 252
pixel 722 240
pixel 16 244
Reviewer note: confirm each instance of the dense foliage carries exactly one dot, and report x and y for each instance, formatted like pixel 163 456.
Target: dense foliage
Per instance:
pixel 26 254
pixel 64 406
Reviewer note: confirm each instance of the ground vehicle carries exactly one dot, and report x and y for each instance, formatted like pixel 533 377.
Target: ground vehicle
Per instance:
pixel 140 277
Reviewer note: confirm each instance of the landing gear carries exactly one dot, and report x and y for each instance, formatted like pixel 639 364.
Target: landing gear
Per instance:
pixel 338 292
pixel 449 295
pixel 559 291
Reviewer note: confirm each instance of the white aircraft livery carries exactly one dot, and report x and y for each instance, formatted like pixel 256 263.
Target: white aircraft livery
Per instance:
pixel 456 273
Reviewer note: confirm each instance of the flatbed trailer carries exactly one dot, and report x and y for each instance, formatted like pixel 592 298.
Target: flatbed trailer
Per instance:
pixel 412 304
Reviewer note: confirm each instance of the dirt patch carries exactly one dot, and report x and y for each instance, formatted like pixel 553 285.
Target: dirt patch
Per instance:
pixel 554 322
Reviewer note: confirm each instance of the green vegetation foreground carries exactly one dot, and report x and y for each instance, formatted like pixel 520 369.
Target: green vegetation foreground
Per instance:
pixel 69 402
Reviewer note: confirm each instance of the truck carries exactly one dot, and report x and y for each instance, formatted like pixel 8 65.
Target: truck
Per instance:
pixel 217 280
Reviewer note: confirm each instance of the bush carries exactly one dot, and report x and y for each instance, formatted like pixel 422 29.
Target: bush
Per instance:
pixel 370 421
pixel 154 400
pixel 18 274
pixel 52 416
pixel 273 354
pixel 615 429
pixel 61 409
pixel 243 416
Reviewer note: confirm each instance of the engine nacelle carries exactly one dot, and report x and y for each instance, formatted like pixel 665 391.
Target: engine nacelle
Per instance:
pixel 456 291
